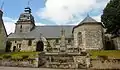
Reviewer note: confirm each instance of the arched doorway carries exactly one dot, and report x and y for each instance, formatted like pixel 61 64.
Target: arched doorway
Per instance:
pixel 8 46
pixel 14 48
pixel 40 46
pixel 110 45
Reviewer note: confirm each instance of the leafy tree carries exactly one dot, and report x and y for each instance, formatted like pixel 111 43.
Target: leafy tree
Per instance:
pixel 111 17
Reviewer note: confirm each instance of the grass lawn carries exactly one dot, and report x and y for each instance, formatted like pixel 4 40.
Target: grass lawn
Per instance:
pixel 110 53
pixel 19 55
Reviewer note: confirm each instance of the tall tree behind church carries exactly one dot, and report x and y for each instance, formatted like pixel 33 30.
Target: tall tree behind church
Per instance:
pixel 111 17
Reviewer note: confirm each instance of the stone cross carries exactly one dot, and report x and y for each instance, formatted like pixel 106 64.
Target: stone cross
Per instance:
pixel 62 44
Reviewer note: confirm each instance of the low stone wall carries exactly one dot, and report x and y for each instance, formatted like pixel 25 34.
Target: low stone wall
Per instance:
pixel 19 62
pixel 116 42
pixel 105 64
pixel 67 61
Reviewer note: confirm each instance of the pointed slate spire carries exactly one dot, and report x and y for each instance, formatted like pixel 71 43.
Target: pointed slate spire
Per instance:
pixel 88 19
pixel 3 33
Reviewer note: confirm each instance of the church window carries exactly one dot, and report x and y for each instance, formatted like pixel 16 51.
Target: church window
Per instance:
pixel 14 48
pixel 29 42
pixel 69 40
pixel 79 38
pixel 21 27
pixel 27 17
pixel 57 41
pixel 19 45
pixel 20 30
pixel 24 16
pixel 15 41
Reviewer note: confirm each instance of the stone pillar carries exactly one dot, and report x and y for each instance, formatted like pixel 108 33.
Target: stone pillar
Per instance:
pixel 36 62
pixel 88 62
pixel 63 44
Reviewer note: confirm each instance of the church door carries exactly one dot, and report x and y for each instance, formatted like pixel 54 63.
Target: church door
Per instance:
pixel 8 46
pixel 40 46
pixel 14 48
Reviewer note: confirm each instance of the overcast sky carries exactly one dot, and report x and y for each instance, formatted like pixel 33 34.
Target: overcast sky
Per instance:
pixel 52 12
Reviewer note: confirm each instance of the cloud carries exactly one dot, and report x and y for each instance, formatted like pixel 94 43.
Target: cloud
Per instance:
pixel 97 18
pixel 65 11
pixel 40 24
pixel 9 24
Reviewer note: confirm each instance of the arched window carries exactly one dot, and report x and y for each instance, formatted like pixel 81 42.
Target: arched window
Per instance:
pixel 79 38
pixel 21 28
pixel 57 41
pixel 14 48
pixel 29 42
pixel 69 40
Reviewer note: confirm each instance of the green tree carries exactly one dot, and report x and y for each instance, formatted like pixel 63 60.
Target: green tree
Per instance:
pixel 111 17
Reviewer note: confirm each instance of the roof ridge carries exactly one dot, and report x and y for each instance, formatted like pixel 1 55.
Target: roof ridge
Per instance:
pixel 55 26
pixel 88 19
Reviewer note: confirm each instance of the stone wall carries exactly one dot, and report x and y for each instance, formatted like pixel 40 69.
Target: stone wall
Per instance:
pixel 66 61
pixel 23 28
pixel 19 63
pixel 24 44
pixel 32 60
pixel 116 42
pixel 105 64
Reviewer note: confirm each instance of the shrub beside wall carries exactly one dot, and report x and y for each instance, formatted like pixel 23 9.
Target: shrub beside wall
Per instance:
pixel 20 59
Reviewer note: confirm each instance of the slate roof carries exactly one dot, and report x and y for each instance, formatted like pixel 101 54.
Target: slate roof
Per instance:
pixel 1 21
pixel 46 31
pixel 88 19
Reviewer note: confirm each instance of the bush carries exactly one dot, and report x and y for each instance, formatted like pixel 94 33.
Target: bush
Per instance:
pixel 6 56
pixel 25 56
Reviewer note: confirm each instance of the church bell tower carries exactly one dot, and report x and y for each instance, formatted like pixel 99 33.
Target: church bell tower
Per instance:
pixel 25 22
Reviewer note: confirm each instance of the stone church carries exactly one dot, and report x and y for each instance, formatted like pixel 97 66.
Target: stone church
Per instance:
pixel 87 35
pixel 62 46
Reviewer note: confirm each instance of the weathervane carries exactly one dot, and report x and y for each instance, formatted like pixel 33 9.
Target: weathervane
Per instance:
pixel 29 2
pixel 88 14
